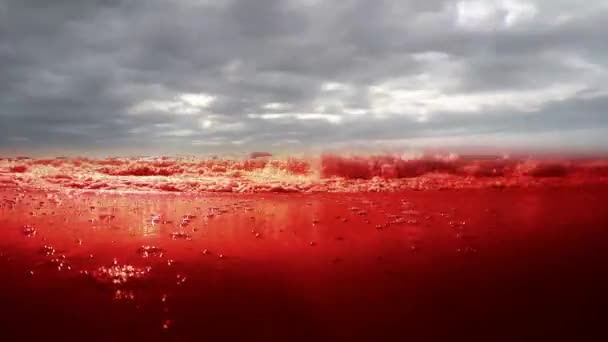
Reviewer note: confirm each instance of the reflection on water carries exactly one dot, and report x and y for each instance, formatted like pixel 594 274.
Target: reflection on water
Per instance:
pixel 331 260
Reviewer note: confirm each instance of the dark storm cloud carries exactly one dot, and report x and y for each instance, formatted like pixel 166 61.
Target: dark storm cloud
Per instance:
pixel 187 75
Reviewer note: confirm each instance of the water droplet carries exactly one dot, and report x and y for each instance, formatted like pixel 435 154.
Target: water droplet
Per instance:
pixel 47 250
pixel 147 251
pixel 119 274
pixel 181 279
pixel 29 231
pixel 181 235
pixel 124 295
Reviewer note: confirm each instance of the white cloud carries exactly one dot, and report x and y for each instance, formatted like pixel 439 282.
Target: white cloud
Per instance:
pixel 333 86
pixel 475 13
pixel 200 100
pixel 177 133
pixel 331 118
pixel 277 106
pixel 206 123
pixel 430 56
pixel 287 142
pixel 518 12
pixel 183 104
pixel 423 102
pixel 493 14
pixel 356 111
pixel 206 142
pixel 216 125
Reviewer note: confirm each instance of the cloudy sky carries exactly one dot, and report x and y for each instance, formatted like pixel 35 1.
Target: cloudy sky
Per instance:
pixel 189 76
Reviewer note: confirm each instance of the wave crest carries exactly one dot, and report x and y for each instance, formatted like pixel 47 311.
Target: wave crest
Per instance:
pixel 327 172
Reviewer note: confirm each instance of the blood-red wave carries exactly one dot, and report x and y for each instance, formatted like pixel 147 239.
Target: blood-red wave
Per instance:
pixel 328 172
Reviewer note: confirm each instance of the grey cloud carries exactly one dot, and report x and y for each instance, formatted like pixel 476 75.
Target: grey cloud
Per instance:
pixel 71 71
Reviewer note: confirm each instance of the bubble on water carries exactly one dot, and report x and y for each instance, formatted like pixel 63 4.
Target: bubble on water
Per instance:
pixel 398 220
pixel 29 231
pixel 155 218
pixel 61 263
pixel 124 295
pixel 106 217
pixel 457 224
pixel 163 298
pixel 166 324
pixel 358 211
pixel 181 235
pixel 120 274
pixel 47 250
pixel 186 219
pixel 148 251
pixel 205 251
pixel 221 256
pixel 181 279
pixel 258 235
pixel 467 250
pixel 312 243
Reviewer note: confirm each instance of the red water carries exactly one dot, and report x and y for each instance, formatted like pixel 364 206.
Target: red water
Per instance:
pixel 480 264
pixel 466 258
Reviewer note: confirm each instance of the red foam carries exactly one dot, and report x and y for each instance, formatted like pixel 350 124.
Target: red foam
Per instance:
pixel 328 172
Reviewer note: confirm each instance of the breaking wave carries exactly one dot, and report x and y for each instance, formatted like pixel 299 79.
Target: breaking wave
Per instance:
pixel 262 172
